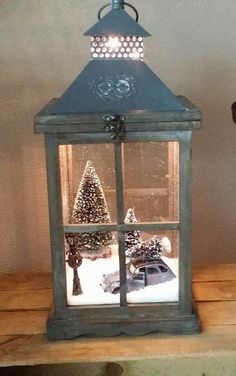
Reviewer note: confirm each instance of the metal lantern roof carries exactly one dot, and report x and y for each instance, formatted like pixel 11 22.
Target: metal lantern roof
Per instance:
pixel 142 90
pixel 116 85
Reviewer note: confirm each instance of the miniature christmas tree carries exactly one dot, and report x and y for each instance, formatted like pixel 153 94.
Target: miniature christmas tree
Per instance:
pixel 90 206
pixel 132 238
pixel 150 250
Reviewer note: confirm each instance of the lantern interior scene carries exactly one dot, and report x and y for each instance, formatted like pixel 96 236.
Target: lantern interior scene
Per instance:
pixel 89 197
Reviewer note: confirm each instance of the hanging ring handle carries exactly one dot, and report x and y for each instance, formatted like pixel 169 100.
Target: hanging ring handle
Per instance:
pixel 127 4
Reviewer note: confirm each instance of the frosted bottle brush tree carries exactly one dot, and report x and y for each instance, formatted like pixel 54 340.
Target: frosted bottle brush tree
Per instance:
pixel 151 250
pixel 90 206
pixel 132 238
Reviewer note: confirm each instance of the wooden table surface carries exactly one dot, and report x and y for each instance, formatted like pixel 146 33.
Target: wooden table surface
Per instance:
pixel 24 304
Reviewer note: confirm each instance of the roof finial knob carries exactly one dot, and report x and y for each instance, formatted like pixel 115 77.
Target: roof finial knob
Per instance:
pixel 117 4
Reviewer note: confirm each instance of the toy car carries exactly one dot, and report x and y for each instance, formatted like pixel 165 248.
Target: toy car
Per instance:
pixel 138 275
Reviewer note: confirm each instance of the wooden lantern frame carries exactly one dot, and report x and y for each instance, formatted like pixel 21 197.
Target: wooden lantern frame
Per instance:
pixel 66 322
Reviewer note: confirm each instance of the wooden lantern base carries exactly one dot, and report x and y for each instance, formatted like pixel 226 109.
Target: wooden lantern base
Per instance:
pixel 63 329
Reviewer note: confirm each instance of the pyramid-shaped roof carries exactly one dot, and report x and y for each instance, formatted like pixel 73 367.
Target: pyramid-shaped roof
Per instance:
pixel 117 22
pixel 116 86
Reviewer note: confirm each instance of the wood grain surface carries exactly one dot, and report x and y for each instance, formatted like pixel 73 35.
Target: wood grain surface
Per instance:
pixel 24 308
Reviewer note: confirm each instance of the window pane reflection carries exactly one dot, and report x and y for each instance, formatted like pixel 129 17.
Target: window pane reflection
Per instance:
pixel 151 180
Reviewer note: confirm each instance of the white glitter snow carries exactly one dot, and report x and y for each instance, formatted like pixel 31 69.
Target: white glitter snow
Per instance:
pixel 91 272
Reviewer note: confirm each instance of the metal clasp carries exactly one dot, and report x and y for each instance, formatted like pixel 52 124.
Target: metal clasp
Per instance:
pixel 114 124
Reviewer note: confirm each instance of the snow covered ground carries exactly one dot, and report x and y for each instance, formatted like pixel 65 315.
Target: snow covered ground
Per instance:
pixel 91 272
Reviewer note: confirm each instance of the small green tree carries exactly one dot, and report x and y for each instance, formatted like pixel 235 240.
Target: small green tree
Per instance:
pixel 132 238
pixel 90 206
pixel 149 250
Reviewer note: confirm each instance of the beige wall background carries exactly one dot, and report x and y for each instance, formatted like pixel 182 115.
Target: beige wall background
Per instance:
pixel 193 50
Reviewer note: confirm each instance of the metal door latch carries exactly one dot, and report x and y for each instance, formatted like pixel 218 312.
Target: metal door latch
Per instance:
pixel 114 124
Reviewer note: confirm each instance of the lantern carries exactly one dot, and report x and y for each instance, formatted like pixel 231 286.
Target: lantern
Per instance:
pixel 118 153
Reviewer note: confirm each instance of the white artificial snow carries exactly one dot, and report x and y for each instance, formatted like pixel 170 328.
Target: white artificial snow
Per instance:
pixel 91 273
pixel 166 244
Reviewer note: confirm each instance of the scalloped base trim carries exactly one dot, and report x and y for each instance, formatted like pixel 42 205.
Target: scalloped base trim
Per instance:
pixel 63 329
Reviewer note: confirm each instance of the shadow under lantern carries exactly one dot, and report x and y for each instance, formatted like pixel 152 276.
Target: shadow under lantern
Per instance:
pixel 118 152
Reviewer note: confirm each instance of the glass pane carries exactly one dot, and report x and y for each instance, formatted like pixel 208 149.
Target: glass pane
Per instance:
pixel 151 180
pixel 152 267
pixel 88 183
pixel 92 268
